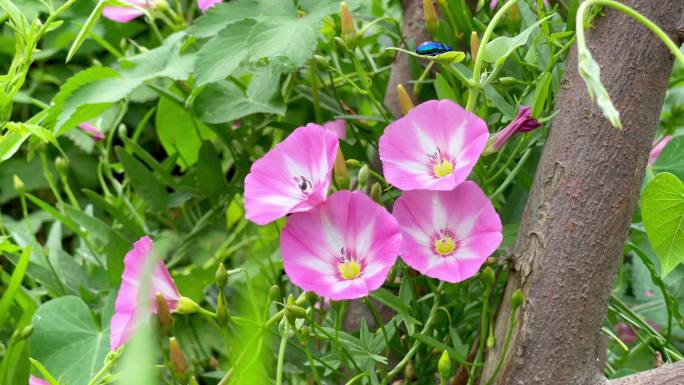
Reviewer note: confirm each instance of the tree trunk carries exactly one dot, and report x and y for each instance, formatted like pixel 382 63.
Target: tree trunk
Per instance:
pixel 414 31
pixel 579 211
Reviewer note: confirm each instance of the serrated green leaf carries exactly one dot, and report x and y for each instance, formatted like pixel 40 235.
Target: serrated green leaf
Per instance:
pixel 67 341
pixel 223 101
pixel 180 132
pixel 663 214
pixel 223 54
pixel 500 48
pixel 93 98
pixel 144 181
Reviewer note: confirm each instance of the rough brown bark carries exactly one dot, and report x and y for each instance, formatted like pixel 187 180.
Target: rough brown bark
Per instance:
pixel 414 32
pixel 579 210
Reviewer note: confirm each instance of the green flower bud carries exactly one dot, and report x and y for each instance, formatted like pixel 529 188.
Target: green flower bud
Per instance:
pixel 376 193
pixel 488 276
pixel 62 165
pixel 363 175
pixel 348 28
pixel 294 311
pixel 430 16
pixel 274 293
pixel 340 44
pixel 517 299
pixel 322 61
pixel 444 366
pixel 19 185
pixel 291 299
pixel 353 163
pixel 221 276
pixel 222 315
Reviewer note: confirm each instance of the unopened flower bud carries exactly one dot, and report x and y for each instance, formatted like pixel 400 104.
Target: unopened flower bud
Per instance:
pixel 517 299
pixel 430 15
pixel 522 123
pixel 274 293
pixel 340 44
pixel 364 173
pixel 341 174
pixel 353 163
pixel 376 193
pixel 187 306
pixel 306 332
pixel 291 299
pixel 514 15
pixel 322 61
pixel 658 149
pixel 444 365
pixel 221 276
pixel 19 185
pixel 488 276
pixel 163 314
pixel 404 99
pixel 222 315
pixel 193 381
pixel 62 165
pixel 294 311
pixel 348 29
pixel 490 338
pixel 474 46
pixel 409 373
pixel 178 364
pixel 22 334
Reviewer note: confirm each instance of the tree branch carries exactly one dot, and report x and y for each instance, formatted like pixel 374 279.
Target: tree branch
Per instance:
pixel 578 213
pixel 672 374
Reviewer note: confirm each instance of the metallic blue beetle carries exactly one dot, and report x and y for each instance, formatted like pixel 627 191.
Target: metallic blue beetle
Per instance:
pixel 433 48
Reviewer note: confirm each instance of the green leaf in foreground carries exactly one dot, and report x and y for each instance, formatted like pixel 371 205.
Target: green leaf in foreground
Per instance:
pixel 500 48
pixel 67 341
pixel 663 214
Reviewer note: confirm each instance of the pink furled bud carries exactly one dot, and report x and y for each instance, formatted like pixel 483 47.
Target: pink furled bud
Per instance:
pixel 658 149
pixel 33 380
pixel 90 129
pixel 206 4
pixel 524 122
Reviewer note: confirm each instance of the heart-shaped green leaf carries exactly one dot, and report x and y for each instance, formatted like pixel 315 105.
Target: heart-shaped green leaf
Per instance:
pixel 663 213
pixel 67 341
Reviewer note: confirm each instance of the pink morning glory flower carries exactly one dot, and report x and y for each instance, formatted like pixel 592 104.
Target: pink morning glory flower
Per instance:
pixel 342 249
pixel 434 147
pixel 658 149
pixel 206 4
pixel 447 235
pixel 292 177
pixel 88 128
pixel 337 126
pixel 33 380
pixel 126 14
pixel 127 301
pixel 524 122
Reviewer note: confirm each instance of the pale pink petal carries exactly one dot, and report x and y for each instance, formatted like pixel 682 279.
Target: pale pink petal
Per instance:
pixel 463 217
pixel 658 149
pixel 493 4
pixel 348 227
pixel 292 177
pixel 127 300
pixel 121 14
pixel 92 130
pixel 337 126
pixel 431 134
pixel 33 380
pixel 206 4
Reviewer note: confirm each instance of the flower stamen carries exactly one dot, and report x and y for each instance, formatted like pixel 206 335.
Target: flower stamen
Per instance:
pixel 443 168
pixel 350 269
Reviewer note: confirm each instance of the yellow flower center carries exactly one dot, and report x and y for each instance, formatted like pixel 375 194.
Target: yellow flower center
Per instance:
pixel 350 269
pixel 443 168
pixel 445 246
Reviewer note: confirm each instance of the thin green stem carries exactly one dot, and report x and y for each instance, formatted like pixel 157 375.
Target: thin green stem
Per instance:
pixel 507 342
pixel 477 68
pixel 281 355
pixel 483 335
